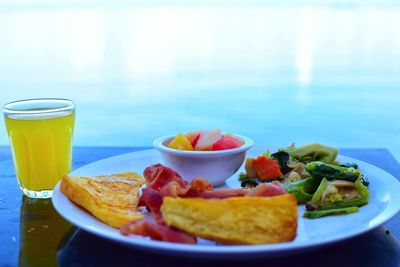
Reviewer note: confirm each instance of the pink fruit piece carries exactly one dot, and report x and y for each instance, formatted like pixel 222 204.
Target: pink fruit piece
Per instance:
pixel 227 142
pixel 207 139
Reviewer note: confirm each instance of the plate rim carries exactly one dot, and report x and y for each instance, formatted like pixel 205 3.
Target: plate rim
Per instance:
pixel 136 241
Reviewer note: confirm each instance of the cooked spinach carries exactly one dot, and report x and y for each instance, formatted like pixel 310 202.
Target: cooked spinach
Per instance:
pixel 253 182
pixel 283 158
pixel 332 172
pixel 349 165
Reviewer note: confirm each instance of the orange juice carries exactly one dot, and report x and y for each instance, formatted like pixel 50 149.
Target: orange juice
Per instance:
pixel 41 147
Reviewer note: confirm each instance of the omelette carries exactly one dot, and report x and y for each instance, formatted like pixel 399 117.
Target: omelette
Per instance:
pixel 235 220
pixel 112 199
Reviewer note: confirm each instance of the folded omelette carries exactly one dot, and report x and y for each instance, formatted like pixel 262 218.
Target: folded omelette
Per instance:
pixel 112 199
pixel 236 220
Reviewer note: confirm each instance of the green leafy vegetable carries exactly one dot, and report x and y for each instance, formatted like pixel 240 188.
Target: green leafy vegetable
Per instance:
pixel 314 152
pixel 320 191
pixel 321 213
pixel 267 154
pixel 283 158
pixel 328 189
pixel 358 201
pixel 253 182
pixel 303 189
pixel 334 172
pixel 349 165
pixel 246 181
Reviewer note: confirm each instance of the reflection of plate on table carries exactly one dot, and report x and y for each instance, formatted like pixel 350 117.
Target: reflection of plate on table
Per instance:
pixel 384 204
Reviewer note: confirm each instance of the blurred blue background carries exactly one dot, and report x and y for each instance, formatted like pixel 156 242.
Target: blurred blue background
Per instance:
pixel 276 71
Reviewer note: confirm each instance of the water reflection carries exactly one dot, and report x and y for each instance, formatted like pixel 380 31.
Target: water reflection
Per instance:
pixel 277 73
pixel 41 229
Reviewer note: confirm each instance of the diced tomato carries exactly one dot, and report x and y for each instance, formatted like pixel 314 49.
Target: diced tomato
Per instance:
pixel 266 168
pixel 227 142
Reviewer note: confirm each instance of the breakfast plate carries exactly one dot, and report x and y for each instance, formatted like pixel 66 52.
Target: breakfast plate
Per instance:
pixel 384 204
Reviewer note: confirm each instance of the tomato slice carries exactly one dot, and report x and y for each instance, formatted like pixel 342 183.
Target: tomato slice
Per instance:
pixel 266 168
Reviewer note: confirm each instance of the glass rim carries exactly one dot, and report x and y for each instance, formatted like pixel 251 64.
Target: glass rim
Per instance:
pixel 66 105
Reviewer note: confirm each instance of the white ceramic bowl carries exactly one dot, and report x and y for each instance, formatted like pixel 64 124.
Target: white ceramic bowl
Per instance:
pixel 215 166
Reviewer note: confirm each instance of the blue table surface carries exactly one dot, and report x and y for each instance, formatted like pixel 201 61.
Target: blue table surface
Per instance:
pixel 33 234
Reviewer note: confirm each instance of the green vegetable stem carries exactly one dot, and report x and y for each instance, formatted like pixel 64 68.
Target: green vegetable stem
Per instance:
pixel 321 213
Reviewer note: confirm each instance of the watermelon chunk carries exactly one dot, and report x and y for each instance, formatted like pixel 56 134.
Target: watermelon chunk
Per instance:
pixel 227 142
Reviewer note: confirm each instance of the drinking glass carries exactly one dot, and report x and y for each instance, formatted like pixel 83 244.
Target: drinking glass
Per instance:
pixel 40 133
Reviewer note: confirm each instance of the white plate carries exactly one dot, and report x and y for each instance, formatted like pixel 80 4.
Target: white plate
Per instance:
pixel 384 204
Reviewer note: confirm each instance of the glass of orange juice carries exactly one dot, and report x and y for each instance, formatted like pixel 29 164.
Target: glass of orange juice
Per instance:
pixel 40 133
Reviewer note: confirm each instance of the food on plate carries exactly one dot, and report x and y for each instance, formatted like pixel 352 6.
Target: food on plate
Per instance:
pixel 265 210
pixel 264 167
pixel 348 172
pixel 313 152
pixel 337 197
pixel 205 141
pixel 156 231
pixel 162 181
pixel 313 175
pixel 235 220
pixel 303 189
pixel 112 199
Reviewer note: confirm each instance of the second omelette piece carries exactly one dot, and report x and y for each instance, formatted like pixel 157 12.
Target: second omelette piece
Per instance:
pixel 236 220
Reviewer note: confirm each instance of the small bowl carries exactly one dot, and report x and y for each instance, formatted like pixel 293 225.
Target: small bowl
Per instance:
pixel 215 166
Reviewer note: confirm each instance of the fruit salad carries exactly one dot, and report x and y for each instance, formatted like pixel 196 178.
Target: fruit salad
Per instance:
pixel 205 141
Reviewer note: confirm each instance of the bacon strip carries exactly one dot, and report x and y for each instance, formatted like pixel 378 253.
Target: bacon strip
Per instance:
pixel 169 183
pixel 152 200
pixel 262 190
pixel 224 193
pixel 198 186
pixel 266 190
pixel 157 176
pixel 156 231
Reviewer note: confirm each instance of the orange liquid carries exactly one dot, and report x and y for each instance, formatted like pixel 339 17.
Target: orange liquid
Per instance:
pixel 41 150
